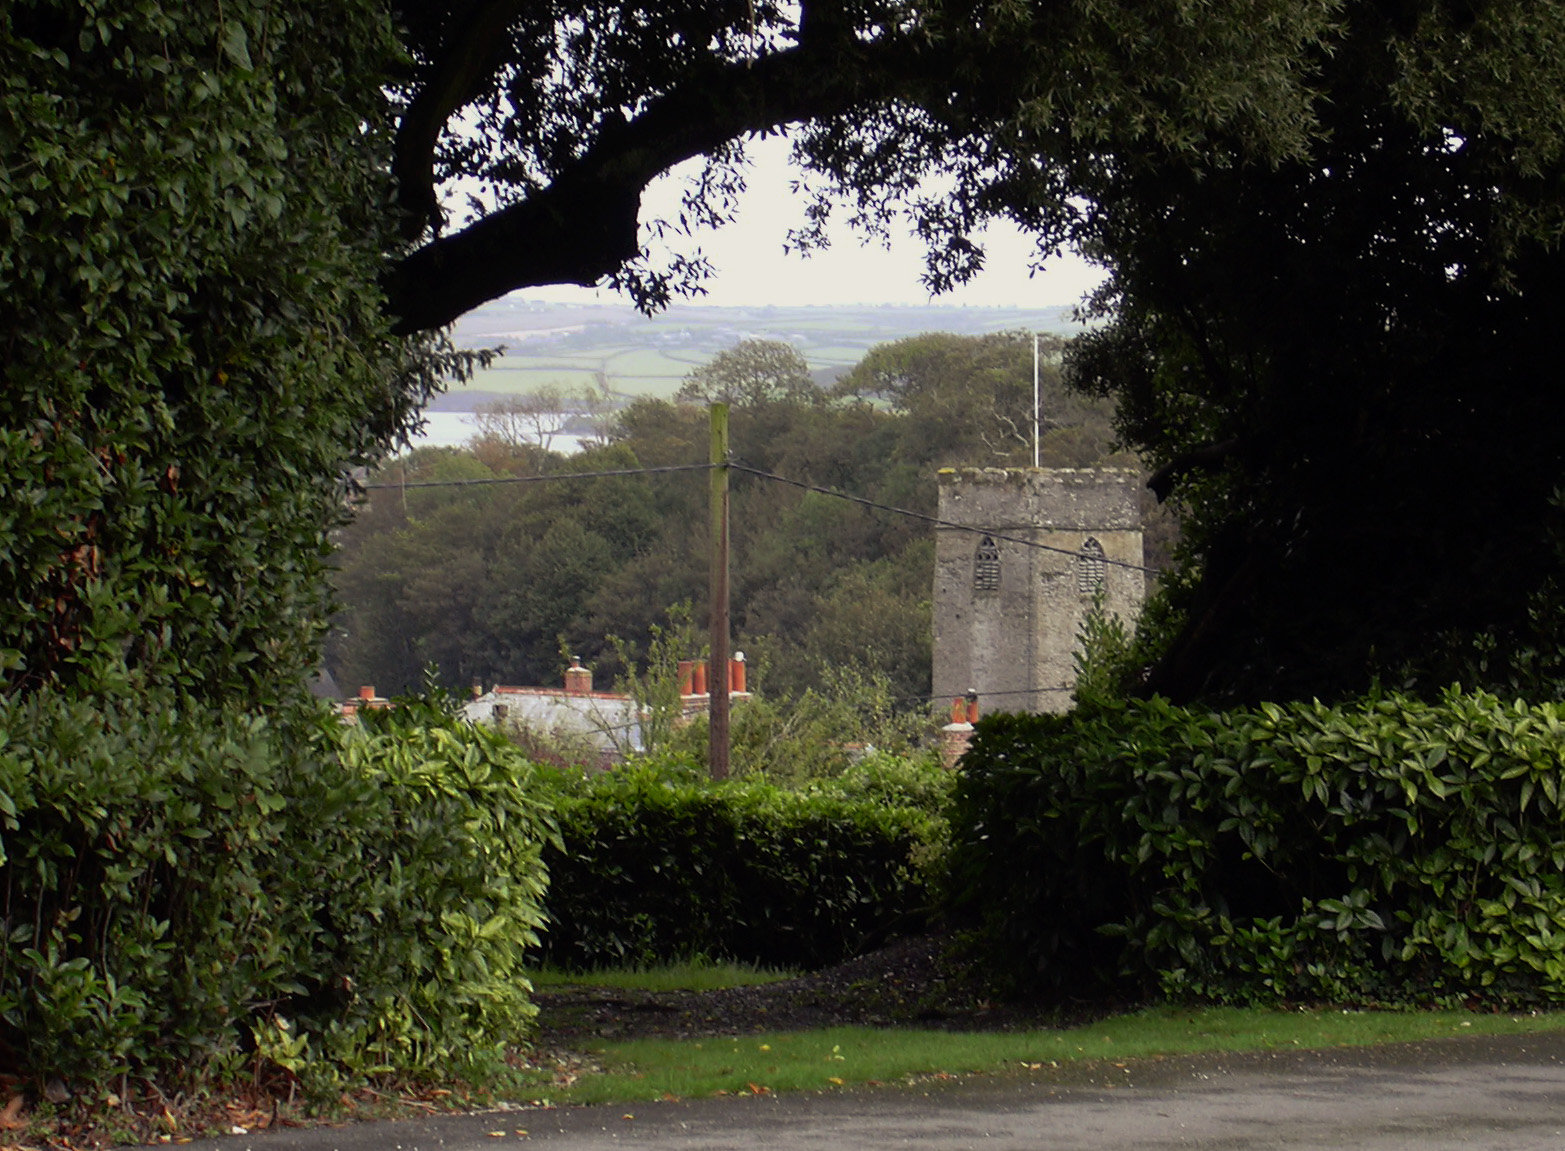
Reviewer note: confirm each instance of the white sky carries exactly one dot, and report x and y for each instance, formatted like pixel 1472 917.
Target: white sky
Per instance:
pixel 753 270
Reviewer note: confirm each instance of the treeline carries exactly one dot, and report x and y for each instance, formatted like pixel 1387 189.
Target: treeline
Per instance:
pixel 493 583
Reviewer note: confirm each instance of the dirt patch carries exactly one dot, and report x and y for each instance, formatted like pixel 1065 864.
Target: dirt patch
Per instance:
pixel 910 983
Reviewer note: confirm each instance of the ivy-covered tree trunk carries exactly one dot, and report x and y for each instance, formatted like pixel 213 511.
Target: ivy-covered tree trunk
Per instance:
pixel 192 222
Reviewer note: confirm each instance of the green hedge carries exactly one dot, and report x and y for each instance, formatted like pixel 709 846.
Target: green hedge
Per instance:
pixel 1390 851
pixel 186 890
pixel 660 864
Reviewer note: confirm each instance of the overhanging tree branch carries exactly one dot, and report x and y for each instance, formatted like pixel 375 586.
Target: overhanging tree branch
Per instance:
pixel 460 72
pixel 583 225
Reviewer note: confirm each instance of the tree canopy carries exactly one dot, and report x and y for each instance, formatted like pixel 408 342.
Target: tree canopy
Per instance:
pixel 564 113
pixel 192 228
pixel 1341 363
pixel 750 373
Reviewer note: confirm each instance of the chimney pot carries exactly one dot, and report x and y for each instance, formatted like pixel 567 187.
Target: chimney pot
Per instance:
pixel 367 691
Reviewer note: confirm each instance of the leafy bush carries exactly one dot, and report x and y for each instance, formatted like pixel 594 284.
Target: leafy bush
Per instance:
pixel 661 864
pixel 433 893
pixel 187 890
pixel 815 735
pixel 138 841
pixel 1394 850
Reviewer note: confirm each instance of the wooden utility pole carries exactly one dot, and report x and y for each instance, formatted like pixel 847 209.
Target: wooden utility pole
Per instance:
pixel 717 678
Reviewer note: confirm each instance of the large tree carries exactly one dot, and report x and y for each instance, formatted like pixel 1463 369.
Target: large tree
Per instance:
pixel 1330 227
pixel 198 221
pixel 1346 362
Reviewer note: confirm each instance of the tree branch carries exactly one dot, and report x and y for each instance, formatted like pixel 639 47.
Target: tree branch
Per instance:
pixel 1207 457
pixel 472 55
pixel 583 225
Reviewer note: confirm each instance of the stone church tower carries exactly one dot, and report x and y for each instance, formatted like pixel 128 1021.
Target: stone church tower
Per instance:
pixel 1014 583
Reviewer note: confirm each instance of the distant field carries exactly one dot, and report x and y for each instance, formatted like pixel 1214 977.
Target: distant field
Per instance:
pixel 575 346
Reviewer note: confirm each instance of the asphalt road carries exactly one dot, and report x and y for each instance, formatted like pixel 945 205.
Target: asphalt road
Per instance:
pixel 1467 1093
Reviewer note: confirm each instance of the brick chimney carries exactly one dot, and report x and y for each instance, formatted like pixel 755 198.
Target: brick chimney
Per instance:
pixel 578 680
pixel 956 735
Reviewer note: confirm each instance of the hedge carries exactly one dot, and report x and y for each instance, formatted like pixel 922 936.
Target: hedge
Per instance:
pixel 1390 851
pixel 658 864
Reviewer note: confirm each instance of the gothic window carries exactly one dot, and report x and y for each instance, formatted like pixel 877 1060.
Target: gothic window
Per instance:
pixel 1091 567
pixel 986 565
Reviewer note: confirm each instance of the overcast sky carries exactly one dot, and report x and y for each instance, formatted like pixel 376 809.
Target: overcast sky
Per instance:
pixel 753 270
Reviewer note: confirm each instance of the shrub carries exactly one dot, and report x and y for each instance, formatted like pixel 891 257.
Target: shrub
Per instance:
pixel 184 889
pixel 140 844
pixel 427 896
pixel 659 863
pixel 1393 850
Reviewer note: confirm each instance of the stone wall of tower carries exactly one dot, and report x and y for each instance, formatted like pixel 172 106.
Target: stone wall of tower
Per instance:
pixel 1015 579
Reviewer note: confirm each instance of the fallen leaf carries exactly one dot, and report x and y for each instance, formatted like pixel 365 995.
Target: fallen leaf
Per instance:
pixel 11 1117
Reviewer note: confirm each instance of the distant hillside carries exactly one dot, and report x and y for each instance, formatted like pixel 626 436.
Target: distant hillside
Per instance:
pixel 615 348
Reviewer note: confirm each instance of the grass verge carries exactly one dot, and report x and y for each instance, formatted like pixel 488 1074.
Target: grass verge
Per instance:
pixel 845 1056
pixel 692 975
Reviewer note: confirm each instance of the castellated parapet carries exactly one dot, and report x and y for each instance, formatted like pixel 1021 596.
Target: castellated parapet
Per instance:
pixel 1014 581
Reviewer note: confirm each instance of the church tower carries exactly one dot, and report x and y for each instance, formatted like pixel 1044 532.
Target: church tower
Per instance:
pixel 1015 581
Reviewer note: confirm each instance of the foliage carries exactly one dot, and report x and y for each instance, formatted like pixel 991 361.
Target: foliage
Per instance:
pixel 191 234
pixel 1105 660
pixel 969 401
pixel 536 418
pixel 433 892
pixel 1389 851
pixel 141 924
pixel 193 213
pixel 1339 381
pixel 661 864
pixel 751 373
pixel 817 735
pixel 356 906
pixel 564 129
pixel 1332 228
pixel 656 689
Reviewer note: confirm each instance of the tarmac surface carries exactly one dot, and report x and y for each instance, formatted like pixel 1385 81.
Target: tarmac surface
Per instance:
pixel 1463 1093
